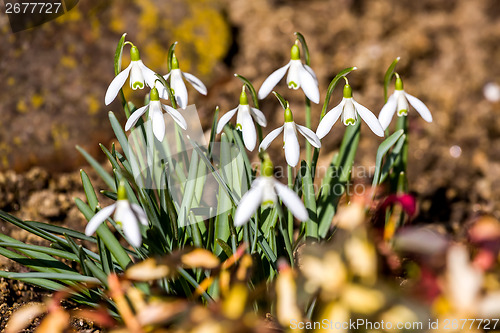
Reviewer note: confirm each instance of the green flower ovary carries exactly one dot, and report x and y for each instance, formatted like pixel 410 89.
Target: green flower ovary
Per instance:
pixel 288 115
pixel 267 168
pixel 399 83
pixel 243 97
pixel 347 91
pixel 153 95
pixel 295 52
pixel 134 54
pixel 175 62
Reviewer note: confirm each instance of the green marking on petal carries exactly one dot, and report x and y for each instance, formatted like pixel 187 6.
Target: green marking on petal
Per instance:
pixel 295 52
pixel 239 127
pixel 267 203
pixel 292 85
pixel 347 91
pixel 288 115
pixel 350 121
pixel 153 95
pixel 402 113
pixel 267 168
pixel 134 54
pixel 137 84
pixel 119 223
pixel 399 83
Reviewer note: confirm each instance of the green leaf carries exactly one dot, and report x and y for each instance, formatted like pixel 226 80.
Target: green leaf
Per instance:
pixel 213 132
pixel 381 151
pixel 41 249
pixel 392 158
pixel 89 191
pixel 43 283
pixel 164 82
pixel 251 88
pixel 309 201
pixel 388 76
pixel 118 54
pixel 336 178
pixel 120 134
pixel 302 40
pixel 98 168
pixel 52 276
pixel 97 272
pixel 332 86
pixel 225 247
pixel 54 229
pixel 170 56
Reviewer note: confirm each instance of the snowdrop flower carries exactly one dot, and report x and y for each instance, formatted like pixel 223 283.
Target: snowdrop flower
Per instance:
pixel 244 121
pixel 398 101
pixel 177 84
pixel 265 191
pixel 290 140
pixel 299 76
pixel 349 109
pixel 156 115
pixel 139 74
pixel 127 216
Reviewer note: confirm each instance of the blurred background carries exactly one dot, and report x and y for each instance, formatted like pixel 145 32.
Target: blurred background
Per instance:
pixel 54 78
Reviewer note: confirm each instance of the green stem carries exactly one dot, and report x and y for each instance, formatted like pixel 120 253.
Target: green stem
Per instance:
pixel 290 215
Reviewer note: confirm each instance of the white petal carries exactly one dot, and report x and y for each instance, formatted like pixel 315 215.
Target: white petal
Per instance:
pixel 131 227
pixel 292 201
pixel 309 85
pixel 309 135
pixel 140 213
pixel 259 117
pixel 248 204
pixel 116 85
pixel 420 107
pixel 269 138
pixel 326 124
pixel 176 115
pixel 136 76
pixel 293 80
pixel 369 119
pixel 180 91
pixel 310 70
pixel 149 75
pixel 248 129
pixel 134 117
pixel 197 84
pixel 291 143
pixel 158 122
pixel 98 218
pixel 272 81
pixel 225 119
pixel 387 112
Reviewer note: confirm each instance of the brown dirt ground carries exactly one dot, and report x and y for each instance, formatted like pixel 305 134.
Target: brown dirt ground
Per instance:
pixel 449 51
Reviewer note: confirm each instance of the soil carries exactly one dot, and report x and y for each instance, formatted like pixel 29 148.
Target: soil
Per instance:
pixel 56 76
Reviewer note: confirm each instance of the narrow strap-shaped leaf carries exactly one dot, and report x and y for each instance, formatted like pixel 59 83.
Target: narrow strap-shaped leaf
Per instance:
pixel 388 76
pixel 118 54
pixel 41 249
pixel 120 134
pixel 96 271
pixel 225 247
pixel 333 187
pixel 302 40
pixel 170 55
pixel 309 201
pixel 382 151
pixel 58 230
pixel 53 276
pixel 98 168
pixel 392 159
pixel 213 132
pixel 89 190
